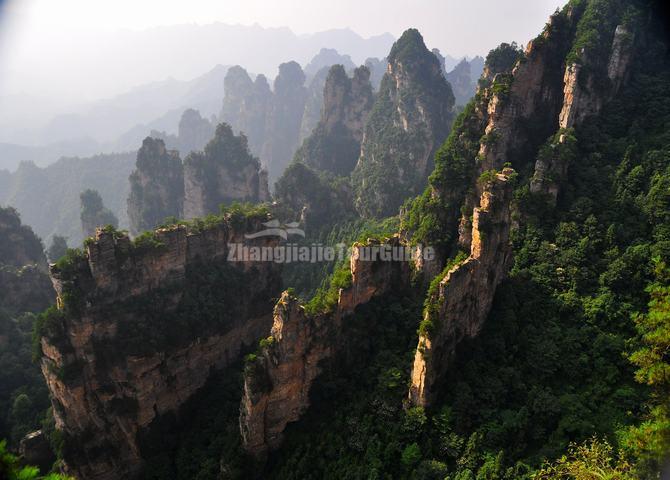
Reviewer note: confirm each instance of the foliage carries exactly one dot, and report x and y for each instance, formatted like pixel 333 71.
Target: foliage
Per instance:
pixel 387 172
pixel 11 469
pixel 327 295
pixel 593 460
pixel 58 248
pixel 650 441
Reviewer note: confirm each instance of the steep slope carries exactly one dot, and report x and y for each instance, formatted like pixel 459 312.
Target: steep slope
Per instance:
pixel 223 173
pixel 26 290
pixel 334 145
pixel 284 119
pixel 140 327
pixel 156 186
pixel 411 117
pixel 246 105
pixel 278 381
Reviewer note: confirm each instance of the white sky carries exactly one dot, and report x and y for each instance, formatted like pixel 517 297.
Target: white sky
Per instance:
pixel 33 32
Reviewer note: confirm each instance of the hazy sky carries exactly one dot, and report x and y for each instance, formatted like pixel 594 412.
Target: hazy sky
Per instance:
pixel 37 50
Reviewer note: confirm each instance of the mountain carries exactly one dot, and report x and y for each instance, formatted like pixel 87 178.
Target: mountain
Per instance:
pixel 48 198
pixel 411 117
pixel 149 55
pixel 335 143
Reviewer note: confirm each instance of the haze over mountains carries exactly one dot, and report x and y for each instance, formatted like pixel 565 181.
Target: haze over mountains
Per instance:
pixel 151 89
pixel 175 66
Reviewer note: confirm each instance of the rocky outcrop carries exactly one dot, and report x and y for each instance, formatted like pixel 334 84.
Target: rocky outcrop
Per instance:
pixel 278 380
pixel 93 213
pixel 412 116
pixel 334 146
pixel 193 132
pixel 284 119
pixel 462 301
pixel 223 173
pixel 156 186
pixel 35 449
pixel 246 106
pixel 140 328
pixel 463 79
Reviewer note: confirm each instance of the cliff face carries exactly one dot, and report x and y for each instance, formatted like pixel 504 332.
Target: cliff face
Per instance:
pixel 588 84
pixel 156 186
pixel 410 119
pixel 284 119
pixel 140 328
pixel 225 172
pixel 463 298
pixel 193 132
pixel 278 381
pixel 463 79
pixel 334 145
pixel 246 105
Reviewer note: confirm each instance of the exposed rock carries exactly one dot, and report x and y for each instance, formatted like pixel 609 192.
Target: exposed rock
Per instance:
pixel 278 381
pixel 377 69
pixel 464 78
pixel 411 118
pixel 35 450
pixel 139 331
pixel 284 119
pixel 246 105
pixel 194 132
pixel 463 299
pixel 225 172
pixel 313 104
pixel 334 146
pixel 326 58
pixel 156 186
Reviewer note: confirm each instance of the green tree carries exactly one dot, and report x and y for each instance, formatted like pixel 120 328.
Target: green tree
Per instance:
pixel 57 248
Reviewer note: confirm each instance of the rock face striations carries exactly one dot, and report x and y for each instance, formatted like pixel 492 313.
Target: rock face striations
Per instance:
pixel 523 115
pixel 223 173
pixel 277 382
pixel 410 119
pixel 464 296
pixel 335 143
pixel 156 186
pixel 139 328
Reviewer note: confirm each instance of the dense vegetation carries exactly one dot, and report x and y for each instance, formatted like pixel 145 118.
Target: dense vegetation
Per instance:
pixel 390 169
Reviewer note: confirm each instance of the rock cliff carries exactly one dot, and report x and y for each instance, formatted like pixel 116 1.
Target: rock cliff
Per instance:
pixel 246 105
pixel 463 298
pixel 284 119
pixel 334 145
pixel 140 327
pixel 156 186
pixel 223 173
pixel 411 117
pixel 278 380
